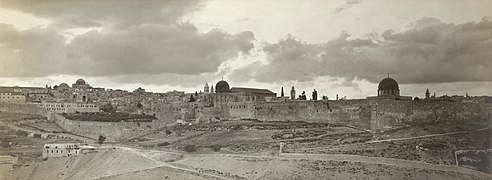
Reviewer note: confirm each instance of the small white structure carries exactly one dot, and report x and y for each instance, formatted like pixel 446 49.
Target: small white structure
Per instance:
pixel 61 150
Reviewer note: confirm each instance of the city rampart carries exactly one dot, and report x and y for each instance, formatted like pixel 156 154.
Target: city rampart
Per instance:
pixel 113 131
pixel 372 114
pixel 30 109
pixel 344 112
pixel 436 111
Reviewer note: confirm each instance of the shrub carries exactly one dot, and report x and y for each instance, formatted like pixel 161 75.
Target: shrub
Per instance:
pixel 215 147
pixel 21 133
pixel 190 148
pixel 163 144
pixel 101 139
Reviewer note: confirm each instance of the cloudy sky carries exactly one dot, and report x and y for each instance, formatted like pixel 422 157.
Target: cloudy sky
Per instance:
pixel 340 47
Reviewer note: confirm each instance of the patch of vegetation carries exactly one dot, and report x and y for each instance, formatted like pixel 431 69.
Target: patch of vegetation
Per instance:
pixel 215 148
pixel 101 139
pixel 164 144
pixel 190 148
pixel 110 117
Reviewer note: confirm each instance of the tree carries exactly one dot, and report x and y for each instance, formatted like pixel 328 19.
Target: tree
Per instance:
pixel 101 139
pixel 109 108
pixel 139 105
pixel 190 148
pixel 282 92
pixel 215 147
pixel 192 99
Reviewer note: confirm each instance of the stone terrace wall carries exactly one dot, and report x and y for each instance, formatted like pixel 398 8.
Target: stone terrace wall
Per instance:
pixel 31 109
pixel 113 131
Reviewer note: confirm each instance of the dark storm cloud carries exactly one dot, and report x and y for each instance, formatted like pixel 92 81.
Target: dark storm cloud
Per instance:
pixel 143 37
pixel 113 13
pixel 428 52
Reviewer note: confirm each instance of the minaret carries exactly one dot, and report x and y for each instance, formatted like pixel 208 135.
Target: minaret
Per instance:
pixel 205 88
pixel 427 94
pixel 293 93
pixel 212 89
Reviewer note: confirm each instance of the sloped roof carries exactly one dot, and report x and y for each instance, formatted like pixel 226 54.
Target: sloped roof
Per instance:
pixel 251 90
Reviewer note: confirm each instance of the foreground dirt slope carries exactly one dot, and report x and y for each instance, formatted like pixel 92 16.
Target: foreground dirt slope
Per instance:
pixel 311 167
pixel 93 165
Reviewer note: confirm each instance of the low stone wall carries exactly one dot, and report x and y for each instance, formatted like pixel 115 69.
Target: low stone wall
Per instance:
pixel 113 131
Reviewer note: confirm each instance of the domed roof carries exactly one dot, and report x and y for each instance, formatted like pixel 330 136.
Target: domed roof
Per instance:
pixel 388 84
pixel 63 86
pixel 222 86
pixel 80 82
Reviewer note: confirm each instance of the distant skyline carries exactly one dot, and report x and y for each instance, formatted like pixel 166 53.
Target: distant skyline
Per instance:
pixel 342 47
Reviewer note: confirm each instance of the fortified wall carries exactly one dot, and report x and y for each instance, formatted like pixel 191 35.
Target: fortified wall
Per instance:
pixel 113 131
pixel 427 111
pixel 30 109
pixel 362 113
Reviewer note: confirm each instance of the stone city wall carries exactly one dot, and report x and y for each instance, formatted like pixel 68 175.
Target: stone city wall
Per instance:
pixel 347 112
pixel 362 113
pixel 386 114
pixel 113 131
pixel 207 113
pixel 30 109
pixel 432 111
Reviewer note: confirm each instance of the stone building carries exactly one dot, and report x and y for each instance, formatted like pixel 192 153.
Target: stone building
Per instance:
pixel 61 150
pixel 12 97
pixel 224 94
pixel 80 84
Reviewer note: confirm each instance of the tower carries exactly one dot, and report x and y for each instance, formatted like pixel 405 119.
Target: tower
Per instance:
pixel 212 89
pixel 205 88
pixel 427 94
pixel 293 93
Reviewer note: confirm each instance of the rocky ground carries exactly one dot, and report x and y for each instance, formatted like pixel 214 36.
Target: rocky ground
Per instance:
pixel 249 150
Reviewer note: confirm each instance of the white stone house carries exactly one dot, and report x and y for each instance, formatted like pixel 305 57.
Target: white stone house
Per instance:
pixel 61 150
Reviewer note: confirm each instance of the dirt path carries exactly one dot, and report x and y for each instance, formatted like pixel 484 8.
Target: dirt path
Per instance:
pixel 427 136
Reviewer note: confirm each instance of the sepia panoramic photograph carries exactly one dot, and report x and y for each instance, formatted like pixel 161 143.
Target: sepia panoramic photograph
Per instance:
pixel 245 89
